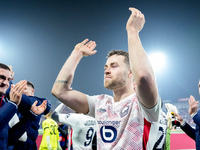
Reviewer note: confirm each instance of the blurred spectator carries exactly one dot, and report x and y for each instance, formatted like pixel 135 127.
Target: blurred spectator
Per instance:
pixel 50 138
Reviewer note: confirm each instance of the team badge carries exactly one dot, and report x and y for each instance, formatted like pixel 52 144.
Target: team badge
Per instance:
pixel 124 112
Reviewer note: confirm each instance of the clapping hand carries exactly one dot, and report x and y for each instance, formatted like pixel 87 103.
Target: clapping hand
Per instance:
pixel 39 109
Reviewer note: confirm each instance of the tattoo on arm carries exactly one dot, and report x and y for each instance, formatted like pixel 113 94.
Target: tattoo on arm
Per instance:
pixel 62 81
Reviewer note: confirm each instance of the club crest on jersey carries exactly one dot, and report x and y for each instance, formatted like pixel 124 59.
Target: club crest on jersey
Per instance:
pixel 124 112
pixel 101 110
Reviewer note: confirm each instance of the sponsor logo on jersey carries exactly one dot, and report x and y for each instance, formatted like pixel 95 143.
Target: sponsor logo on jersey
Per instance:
pixel 108 134
pixel 90 123
pixel 109 122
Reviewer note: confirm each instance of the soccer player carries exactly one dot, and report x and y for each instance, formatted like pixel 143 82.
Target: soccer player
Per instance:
pixel 50 138
pixel 83 126
pixel 161 134
pixel 126 119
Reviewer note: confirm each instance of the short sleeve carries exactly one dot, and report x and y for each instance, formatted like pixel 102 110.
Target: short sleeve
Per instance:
pixel 91 103
pixel 152 115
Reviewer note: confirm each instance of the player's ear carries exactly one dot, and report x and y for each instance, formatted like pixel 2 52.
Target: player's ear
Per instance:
pixel 32 91
pixel 130 73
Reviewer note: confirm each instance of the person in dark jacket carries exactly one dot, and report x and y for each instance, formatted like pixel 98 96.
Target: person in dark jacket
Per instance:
pixel 31 131
pixel 194 133
pixel 9 105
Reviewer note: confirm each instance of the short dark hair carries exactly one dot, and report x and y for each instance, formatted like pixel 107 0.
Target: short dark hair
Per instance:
pixel 122 53
pixel 4 66
pixel 30 84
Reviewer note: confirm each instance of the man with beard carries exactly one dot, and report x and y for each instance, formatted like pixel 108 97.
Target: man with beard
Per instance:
pixel 127 119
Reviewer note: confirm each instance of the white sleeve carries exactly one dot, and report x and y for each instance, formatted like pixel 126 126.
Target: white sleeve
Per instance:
pixel 60 108
pixel 152 115
pixel 70 119
pixel 91 103
pixel 14 120
pixel 23 138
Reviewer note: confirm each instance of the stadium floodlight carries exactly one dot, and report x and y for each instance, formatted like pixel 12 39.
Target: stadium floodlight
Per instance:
pixel 158 61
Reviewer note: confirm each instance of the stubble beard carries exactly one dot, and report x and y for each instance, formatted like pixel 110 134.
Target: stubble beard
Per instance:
pixel 114 84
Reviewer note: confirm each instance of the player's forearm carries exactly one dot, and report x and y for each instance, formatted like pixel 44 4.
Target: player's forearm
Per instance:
pixel 142 70
pixel 65 77
pixel 140 64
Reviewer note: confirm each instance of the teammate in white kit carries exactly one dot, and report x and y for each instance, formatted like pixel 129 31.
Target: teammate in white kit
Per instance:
pixel 128 118
pixel 84 127
pixel 161 134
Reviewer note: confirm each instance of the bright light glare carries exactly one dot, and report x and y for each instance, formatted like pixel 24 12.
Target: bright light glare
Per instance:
pixel 2 52
pixel 158 61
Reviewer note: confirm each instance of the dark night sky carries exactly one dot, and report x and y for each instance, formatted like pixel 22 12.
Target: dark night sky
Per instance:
pixel 36 37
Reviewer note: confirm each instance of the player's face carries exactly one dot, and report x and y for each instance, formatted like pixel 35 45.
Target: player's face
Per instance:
pixel 28 91
pixel 116 72
pixel 5 77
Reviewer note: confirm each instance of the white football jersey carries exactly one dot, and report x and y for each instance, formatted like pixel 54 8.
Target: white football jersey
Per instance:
pixel 84 128
pixel 124 125
pixel 162 131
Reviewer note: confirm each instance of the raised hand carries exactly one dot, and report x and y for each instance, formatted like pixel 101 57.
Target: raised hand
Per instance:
pixel 16 91
pixel 87 48
pixel 193 105
pixel 39 109
pixel 136 20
